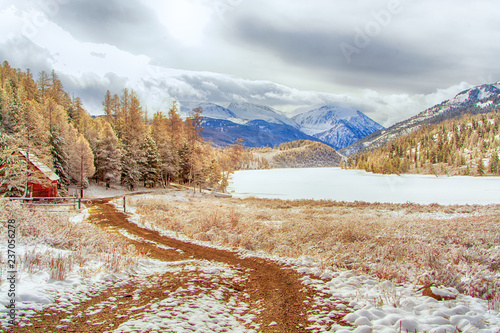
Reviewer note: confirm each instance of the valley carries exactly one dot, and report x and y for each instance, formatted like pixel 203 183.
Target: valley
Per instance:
pixel 249 166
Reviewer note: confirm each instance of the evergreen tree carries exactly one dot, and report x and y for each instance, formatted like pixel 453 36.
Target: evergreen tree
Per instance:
pixel 132 134
pixel 185 167
pixel 167 155
pixel 130 169
pixel 107 154
pixel 81 159
pixel 13 172
pixel 60 158
pixel 56 90
pixel 494 163
pixel 214 173
pixel 480 166
pixel 43 84
pixel 150 165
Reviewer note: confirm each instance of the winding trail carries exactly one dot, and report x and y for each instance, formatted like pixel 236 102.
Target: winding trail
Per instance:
pixel 278 300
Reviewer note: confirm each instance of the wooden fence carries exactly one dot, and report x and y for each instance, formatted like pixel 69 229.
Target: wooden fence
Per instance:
pixel 48 202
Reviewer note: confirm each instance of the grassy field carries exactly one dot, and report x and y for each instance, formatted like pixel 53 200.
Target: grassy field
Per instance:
pixel 55 242
pixel 456 246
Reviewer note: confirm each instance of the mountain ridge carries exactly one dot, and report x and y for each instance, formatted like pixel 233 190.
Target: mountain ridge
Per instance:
pixel 475 100
pixel 260 125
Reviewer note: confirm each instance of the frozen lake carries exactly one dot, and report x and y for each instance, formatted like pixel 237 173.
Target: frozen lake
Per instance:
pixel 354 185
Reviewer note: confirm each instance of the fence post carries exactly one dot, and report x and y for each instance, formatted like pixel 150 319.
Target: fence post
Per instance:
pixel 124 205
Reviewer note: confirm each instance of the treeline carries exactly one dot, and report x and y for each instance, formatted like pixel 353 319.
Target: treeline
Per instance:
pixel 466 146
pixel 38 117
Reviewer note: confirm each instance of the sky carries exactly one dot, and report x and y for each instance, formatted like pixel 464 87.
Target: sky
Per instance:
pixel 391 59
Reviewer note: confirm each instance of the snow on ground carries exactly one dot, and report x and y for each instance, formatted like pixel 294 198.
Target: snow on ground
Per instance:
pixel 374 306
pixel 195 308
pixel 100 191
pixel 380 306
pixel 485 104
pixel 356 185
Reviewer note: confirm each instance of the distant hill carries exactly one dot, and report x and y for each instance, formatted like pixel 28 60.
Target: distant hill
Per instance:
pixel 255 133
pixel 480 99
pixel 466 146
pixel 296 154
pixel 261 126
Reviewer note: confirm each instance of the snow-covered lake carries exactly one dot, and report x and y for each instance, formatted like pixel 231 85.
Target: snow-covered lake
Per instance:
pixel 354 185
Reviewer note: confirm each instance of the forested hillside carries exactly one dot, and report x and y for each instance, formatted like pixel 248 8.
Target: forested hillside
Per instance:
pixel 466 146
pixel 39 117
pixel 295 154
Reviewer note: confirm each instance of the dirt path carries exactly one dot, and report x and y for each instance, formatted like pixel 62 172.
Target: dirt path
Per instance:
pixel 279 288
pixel 279 302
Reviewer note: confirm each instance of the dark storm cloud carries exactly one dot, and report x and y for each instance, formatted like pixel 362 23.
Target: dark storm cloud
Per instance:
pixel 128 25
pixel 354 58
pixel 21 52
pixel 91 88
pixel 224 89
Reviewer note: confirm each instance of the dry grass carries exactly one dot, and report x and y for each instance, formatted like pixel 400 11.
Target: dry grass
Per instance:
pixel 456 246
pixel 82 244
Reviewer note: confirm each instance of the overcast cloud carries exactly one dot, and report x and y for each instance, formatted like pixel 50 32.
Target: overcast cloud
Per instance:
pixel 389 58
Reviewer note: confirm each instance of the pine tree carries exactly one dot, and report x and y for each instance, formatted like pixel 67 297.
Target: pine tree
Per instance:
pixel 214 173
pixel 81 159
pixel 60 158
pixel 494 163
pixel 56 90
pixel 185 167
pixel 13 174
pixel 132 134
pixel 168 160
pixel 107 154
pixel 150 165
pixel 480 166
pixel 43 84
pixel 130 170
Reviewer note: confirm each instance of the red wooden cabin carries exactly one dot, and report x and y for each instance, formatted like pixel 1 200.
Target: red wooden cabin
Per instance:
pixel 43 181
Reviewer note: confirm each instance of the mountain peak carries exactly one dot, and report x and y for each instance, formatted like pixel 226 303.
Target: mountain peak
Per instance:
pixel 338 126
pixel 249 111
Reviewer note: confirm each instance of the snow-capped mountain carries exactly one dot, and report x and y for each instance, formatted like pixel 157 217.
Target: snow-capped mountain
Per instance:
pixel 339 127
pixel 210 110
pixel 255 133
pixel 480 99
pixel 260 125
pixel 248 111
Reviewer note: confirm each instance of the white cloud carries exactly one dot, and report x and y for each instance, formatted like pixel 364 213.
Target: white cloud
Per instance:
pixel 204 28
pixel 184 20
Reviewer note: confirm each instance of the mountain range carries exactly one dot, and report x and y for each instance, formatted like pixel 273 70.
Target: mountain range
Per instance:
pixel 479 99
pixel 261 126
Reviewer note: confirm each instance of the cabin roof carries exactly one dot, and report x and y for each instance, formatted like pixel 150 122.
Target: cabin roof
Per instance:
pixel 40 166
